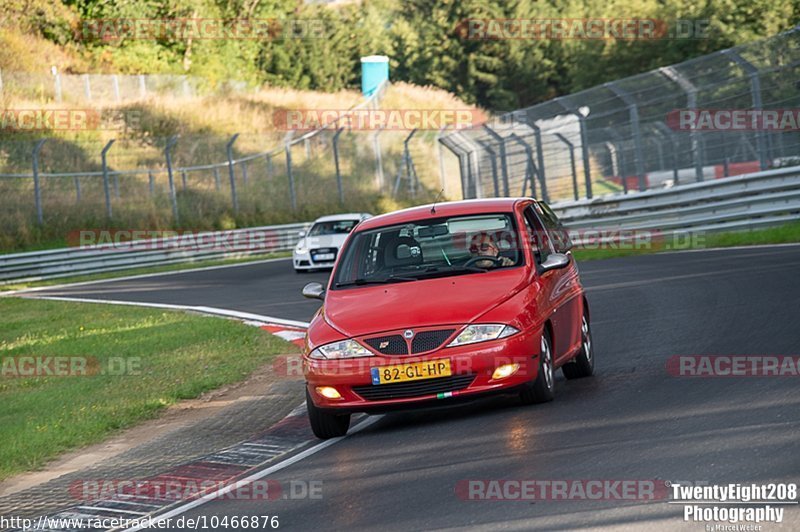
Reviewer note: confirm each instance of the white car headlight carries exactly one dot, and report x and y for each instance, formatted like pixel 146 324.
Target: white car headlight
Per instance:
pixel 343 349
pixel 301 247
pixel 483 333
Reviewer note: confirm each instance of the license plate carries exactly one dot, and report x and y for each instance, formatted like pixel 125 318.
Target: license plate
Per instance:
pixel 411 372
pixel 324 256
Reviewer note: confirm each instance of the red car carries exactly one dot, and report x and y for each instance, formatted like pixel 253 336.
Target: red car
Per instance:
pixel 446 302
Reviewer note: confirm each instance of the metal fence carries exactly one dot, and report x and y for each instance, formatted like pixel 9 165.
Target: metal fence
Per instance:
pixel 302 172
pixel 111 88
pixel 625 136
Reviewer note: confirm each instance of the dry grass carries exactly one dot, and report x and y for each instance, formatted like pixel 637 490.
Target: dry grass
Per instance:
pixel 204 126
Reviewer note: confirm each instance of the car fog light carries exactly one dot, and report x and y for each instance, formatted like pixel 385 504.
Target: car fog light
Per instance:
pixel 506 370
pixel 329 392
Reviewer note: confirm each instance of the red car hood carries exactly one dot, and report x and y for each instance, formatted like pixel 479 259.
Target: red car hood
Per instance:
pixel 427 302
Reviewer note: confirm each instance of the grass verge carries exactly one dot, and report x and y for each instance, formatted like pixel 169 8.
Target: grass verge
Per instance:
pixel 137 362
pixel 141 271
pixel 781 234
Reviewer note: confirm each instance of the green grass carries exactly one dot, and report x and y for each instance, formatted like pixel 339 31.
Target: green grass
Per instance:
pixel 139 271
pixel 781 234
pixel 176 355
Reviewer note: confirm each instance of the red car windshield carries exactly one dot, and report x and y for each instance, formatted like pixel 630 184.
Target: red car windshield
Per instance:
pixel 431 248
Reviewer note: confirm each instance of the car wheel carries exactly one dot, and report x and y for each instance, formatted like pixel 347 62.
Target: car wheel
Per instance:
pixel 324 424
pixel 297 270
pixel 583 365
pixel 541 389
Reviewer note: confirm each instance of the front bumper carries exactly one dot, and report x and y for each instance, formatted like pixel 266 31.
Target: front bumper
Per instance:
pixel 303 261
pixel 472 367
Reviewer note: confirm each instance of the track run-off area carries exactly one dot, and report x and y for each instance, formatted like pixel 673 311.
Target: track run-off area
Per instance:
pixel 634 420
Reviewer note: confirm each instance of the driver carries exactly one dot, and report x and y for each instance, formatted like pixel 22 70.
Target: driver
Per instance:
pixel 482 245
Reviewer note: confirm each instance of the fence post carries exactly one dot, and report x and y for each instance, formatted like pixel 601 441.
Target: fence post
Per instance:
pixel 269 165
pixel 633 113
pixel 530 167
pixel 216 179
pixel 292 195
pixel 77 182
pixel 411 173
pixel 150 182
pixel 755 90
pixel 661 126
pixel 183 178
pixel 57 85
pixel 376 148
pixel 37 191
pixel 103 157
pixel 172 194
pixel 571 148
pixel 142 86
pixel 231 173
pixel 336 164
pixel 442 176
pixel 503 166
pixel 244 173
pixel 691 102
pixel 537 135
pixel 115 84
pixel 87 88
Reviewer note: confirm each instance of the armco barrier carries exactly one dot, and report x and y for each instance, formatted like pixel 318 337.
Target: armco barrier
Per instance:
pixel 52 264
pixel 735 203
pixel 741 202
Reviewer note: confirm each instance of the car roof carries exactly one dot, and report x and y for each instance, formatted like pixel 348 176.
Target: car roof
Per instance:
pixel 340 217
pixel 448 208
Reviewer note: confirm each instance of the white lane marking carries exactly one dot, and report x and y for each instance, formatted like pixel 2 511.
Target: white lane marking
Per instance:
pixel 258 475
pixel 140 276
pixel 245 316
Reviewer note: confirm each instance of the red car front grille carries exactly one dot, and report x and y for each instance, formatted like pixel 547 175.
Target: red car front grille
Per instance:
pixel 395 344
pixel 381 392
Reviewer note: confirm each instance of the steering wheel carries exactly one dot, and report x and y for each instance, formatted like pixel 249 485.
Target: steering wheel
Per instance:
pixel 496 261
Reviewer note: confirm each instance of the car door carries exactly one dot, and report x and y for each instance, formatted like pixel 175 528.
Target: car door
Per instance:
pixel 547 300
pixel 568 287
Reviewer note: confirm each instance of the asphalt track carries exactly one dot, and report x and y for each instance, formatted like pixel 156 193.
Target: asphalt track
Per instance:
pixel 631 421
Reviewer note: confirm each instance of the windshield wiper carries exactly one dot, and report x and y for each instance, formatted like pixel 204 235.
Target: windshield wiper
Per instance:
pixel 382 280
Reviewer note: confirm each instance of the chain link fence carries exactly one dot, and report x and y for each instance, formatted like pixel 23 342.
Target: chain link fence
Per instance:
pixel 296 175
pixel 727 113
pixel 110 88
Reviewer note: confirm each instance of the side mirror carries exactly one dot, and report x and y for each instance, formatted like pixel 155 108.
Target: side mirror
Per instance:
pixel 314 291
pixel 554 261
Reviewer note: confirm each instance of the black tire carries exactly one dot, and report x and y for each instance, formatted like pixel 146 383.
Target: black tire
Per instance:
pixel 583 365
pixel 541 389
pixel 296 270
pixel 324 424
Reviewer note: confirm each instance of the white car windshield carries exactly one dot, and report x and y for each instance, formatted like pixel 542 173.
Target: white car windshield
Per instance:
pixel 338 227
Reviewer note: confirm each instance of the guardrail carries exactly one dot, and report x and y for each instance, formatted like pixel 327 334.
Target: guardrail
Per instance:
pixel 742 202
pixel 187 247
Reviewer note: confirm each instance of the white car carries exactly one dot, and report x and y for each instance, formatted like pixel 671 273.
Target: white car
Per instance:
pixel 319 247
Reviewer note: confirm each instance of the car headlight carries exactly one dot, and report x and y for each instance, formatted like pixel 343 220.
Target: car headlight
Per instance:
pixel 343 349
pixel 301 248
pixel 483 333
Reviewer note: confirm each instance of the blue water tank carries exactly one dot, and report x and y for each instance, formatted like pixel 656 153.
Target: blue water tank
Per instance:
pixel 374 71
